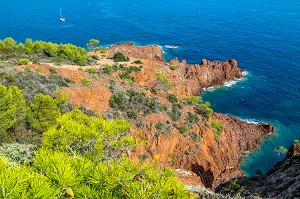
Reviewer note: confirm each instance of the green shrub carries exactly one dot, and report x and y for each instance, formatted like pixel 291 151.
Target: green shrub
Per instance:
pixel 43 113
pixel 95 57
pixel 234 186
pixel 138 62
pixel 133 103
pixel 92 44
pixel 12 109
pixel 173 67
pixel 192 100
pixel 23 61
pixel 162 82
pixel 172 98
pixel 183 129
pixel 217 128
pixel 22 182
pixel 127 77
pixel 113 179
pixel 43 50
pixel 32 83
pixel 94 138
pixel 52 70
pixel 92 70
pixel 86 81
pixel 15 152
pixel 119 57
pixel 280 150
pixel 192 119
pixel 109 69
pixel 205 109
pixel 175 113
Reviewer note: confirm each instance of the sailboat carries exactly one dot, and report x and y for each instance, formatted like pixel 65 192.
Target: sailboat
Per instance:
pixel 61 17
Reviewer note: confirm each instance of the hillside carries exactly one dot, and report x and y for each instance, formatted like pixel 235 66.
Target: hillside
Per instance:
pixel 169 124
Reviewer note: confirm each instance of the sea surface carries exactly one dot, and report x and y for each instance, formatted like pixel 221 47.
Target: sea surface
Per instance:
pixel 263 35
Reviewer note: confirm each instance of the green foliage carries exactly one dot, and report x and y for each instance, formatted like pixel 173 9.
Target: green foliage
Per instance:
pixel 163 128
pixel 162 82
pixel 95 57
pixel 175 113
pixel 133 103
pixel 280 150
pixel 183 129
pixel 125 71
pixel 42 50
pixel 92 137
pixel 21 182
pixel 23 61
pixel 16 152
pixel 196 137
pixel 217 128
pixel 113 179
pixel 32 83
pixel 234 186
pixel 86 81
pixel 81 157
pixel 138 62
pixel 52 70
pixel 12 107
pixel 192 119
pixel 173 67
pixel 127 77
pixel 109 69
pixel 192 100
pixel 172 98
pixel 204 109
pixel 119 57
pixel 43 113
pixel 92 70
pixel 92 44
pixel 61 99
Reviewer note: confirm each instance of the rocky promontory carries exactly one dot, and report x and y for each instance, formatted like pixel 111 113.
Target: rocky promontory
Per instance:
pixel 173 127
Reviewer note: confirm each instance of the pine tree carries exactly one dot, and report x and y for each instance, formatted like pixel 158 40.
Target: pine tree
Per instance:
pixel 12 107
pixel 43 113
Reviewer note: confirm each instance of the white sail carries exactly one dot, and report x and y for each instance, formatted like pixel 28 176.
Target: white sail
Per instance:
pixel 61 17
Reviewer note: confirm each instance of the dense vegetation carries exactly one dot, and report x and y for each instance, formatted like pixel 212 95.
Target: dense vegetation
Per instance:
pixel 78 160
pixel 37 51
pixel 119 57
pixel 130 104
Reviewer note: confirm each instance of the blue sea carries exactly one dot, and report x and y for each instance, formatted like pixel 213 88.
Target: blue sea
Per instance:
pixel 263 35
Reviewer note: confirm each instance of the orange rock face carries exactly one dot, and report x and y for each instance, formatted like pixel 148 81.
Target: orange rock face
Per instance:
pixel 141 52
pixel 96 99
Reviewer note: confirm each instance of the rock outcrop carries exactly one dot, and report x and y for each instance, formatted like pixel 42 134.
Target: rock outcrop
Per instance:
pixel 214 160
pixel 207 74
pixel 281 181
pixel 141 52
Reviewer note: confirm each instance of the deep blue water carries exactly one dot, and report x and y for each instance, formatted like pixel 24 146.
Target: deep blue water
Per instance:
pixel 263 35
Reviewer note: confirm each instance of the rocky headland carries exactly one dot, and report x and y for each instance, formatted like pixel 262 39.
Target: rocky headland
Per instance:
pixel 174 132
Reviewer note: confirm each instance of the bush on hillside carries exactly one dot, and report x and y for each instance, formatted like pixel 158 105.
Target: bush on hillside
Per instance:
pixel 119 57
pixel 23 61
pixel 43 113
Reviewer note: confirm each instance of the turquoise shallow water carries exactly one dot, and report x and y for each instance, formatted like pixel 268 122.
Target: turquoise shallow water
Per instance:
pixel 263 35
